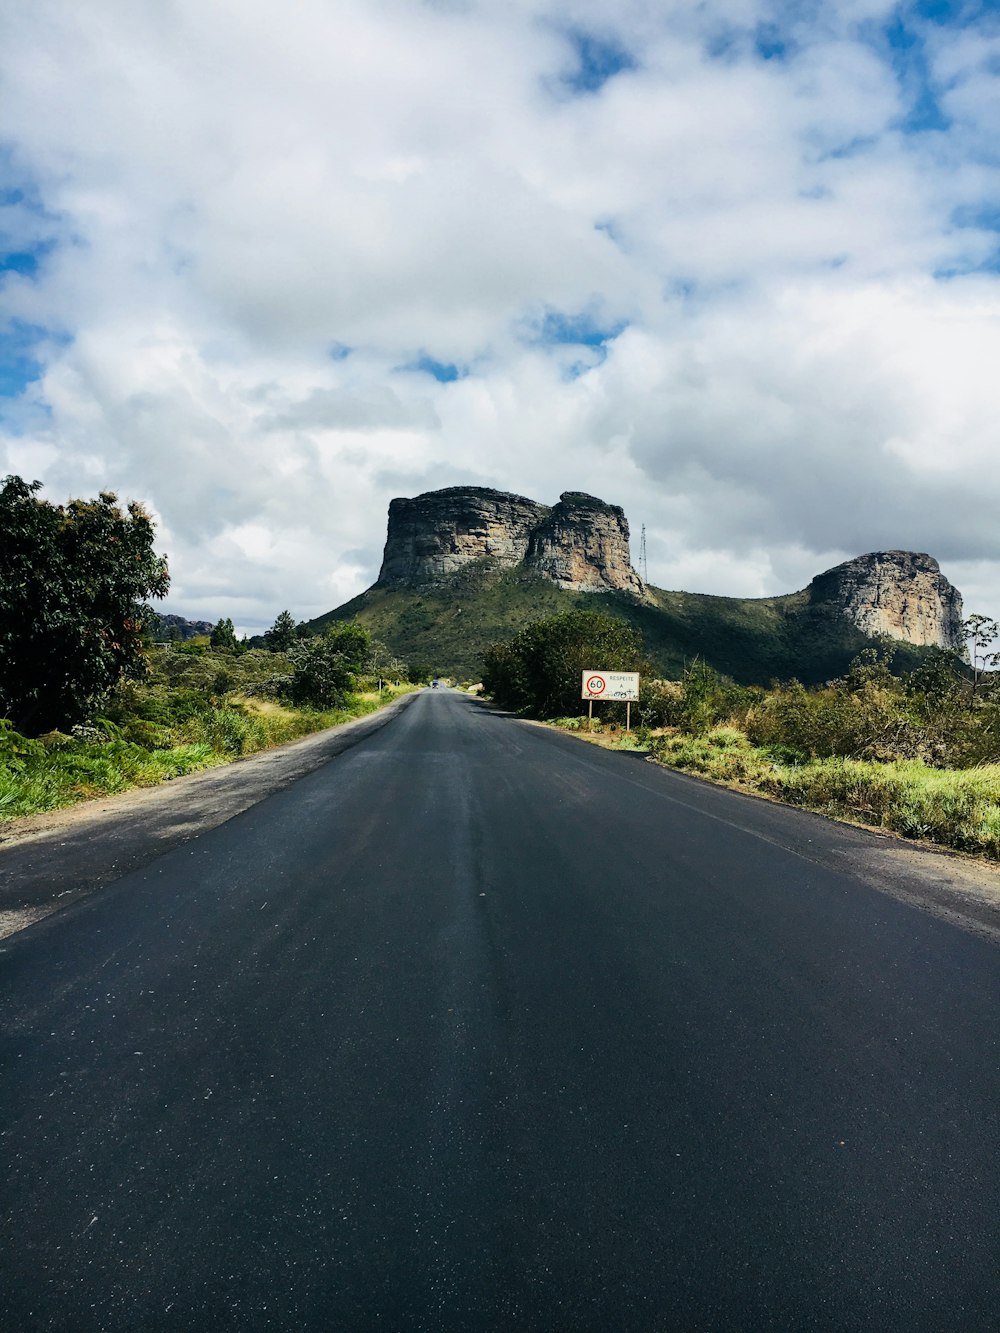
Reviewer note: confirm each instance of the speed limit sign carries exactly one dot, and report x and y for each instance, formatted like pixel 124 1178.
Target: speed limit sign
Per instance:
pixel 623 685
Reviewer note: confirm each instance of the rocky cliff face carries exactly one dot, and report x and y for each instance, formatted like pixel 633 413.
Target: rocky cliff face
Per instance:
pixel 580 544
pixel 899 593
pixel 583 545
pixel 435 534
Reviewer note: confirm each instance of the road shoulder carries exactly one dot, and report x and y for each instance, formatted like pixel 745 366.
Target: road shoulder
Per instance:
pixel 953 886
pixel 51 860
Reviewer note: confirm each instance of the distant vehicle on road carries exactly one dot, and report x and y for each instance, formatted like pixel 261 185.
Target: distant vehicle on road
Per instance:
pixel 434 684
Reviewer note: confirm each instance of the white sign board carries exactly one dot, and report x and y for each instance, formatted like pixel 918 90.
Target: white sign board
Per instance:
pixel 623 685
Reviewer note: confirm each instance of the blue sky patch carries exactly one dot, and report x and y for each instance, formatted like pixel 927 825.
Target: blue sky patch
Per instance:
pixel 991 264
pixel 954 13
pixel 18 364
pixel 19 261
pixel 901 44
pixel 982 217
pixel 445 372
pixel 584 330
pixel 25 260
pixel 598 59
pixel 556 329
pixel 770 44
pixel 339 351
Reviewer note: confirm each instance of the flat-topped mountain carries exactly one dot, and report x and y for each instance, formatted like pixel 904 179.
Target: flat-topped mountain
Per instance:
pixel 467 565
pixel 581 544
pixel 433 535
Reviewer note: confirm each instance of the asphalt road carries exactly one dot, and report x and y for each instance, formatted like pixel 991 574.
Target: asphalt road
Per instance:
pixel 478 1027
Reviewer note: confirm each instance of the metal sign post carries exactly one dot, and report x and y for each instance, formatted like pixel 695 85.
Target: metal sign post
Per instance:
pixel 620 685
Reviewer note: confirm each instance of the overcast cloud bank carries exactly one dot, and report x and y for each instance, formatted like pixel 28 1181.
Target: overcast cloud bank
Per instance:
pixel 735 267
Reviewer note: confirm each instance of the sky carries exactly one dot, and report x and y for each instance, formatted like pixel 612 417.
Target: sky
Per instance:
pixel 732 265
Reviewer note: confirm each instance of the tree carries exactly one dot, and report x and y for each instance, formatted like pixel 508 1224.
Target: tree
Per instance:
pixel 73 583
pixel 224 637
pixel 326 667
pixel 540 668
pixel 980 633
pixel 281 636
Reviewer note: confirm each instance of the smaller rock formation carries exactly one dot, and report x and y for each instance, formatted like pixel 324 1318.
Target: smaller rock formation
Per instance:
pixel 899 593
pixel 432 535
pixel 583 545
pixel 177 629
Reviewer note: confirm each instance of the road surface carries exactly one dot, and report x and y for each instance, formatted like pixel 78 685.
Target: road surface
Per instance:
pixel 479 1027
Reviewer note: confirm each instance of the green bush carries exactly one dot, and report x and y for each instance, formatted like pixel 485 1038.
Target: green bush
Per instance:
pixel 540 669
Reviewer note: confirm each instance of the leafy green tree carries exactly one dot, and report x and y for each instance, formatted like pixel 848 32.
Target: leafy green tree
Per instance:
pixel 325 668
pixel 74 579
pixel 935 687
pixel 981 633
pixel 223 637
pixel 352 641
pixel 281 636
pixel 540 668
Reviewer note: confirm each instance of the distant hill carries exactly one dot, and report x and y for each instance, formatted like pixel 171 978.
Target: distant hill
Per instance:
pixel 466 566
pixel 445 628
pixel 175 629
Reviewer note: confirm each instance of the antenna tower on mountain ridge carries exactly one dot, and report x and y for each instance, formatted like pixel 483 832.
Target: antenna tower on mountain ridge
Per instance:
pixel 642 555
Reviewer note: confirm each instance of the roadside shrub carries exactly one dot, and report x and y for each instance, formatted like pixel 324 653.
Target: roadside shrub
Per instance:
pixel 870 722
pixel 708 698
pixel 540 668
pixel 325 669
pixel 660 703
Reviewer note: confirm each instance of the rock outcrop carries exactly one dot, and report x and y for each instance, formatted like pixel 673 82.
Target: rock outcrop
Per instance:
pixel 899 593
pixel 581 544
pixel 435 534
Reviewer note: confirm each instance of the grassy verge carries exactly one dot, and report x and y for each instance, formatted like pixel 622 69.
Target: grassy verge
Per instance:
pixel 955 808
pixel 136 751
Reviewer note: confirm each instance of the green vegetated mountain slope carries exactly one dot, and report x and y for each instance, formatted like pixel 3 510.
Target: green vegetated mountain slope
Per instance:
pixel 444 628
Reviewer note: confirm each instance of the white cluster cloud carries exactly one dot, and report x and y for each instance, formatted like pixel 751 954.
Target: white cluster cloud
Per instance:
pixel 734 269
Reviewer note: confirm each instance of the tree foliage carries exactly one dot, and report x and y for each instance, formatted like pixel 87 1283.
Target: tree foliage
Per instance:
pixel 282 634
pixel 981 634
pixel 223 637
pixel 73 583
pixel 540 668
pixel 325 668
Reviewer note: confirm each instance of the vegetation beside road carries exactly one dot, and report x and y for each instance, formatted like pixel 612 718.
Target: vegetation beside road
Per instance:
pixel 917 754
pixel 90 705
pixel 154 733
pixel 959 808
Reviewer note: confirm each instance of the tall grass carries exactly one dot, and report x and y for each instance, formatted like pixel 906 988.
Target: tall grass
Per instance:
pixel 157 735
pixel 958 808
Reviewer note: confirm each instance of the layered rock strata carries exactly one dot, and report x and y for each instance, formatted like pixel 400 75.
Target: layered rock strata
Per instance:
pixel 899 593
pixel 583 545
pixel 580 544
pixel 435 534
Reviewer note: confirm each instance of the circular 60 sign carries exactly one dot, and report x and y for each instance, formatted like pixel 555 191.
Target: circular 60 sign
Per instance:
pixel 620 685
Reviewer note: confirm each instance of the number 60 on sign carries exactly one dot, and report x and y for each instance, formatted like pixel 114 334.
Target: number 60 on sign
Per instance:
pixel 621 685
